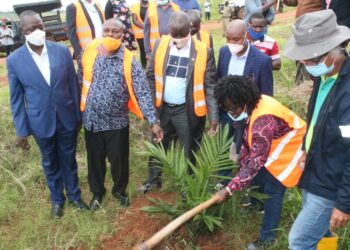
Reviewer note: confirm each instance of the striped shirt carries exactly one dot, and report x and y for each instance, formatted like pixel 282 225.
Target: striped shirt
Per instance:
pixel 6 36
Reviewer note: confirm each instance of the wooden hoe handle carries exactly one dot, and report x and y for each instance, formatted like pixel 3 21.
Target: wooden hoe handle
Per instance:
pixel 172 226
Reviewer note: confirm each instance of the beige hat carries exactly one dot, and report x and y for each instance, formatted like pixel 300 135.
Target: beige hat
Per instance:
pixel 315 34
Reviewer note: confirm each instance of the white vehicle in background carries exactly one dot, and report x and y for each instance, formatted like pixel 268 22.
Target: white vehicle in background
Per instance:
pixel 236 5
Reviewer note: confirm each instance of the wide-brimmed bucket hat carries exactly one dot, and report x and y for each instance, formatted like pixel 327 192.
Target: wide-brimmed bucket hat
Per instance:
pixel 315 34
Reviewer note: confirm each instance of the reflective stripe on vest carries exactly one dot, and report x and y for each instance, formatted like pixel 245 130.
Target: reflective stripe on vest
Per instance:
pixel 285 151
pixel 200 108
pixel 138 32
pixel 83 29
pixel 88 60
pixel 204 37
pixel 153 19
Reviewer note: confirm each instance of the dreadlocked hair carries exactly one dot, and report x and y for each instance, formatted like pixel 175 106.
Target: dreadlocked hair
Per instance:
pixel 239 90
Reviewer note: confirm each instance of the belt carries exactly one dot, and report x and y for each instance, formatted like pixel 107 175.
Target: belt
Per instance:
pixel 172 105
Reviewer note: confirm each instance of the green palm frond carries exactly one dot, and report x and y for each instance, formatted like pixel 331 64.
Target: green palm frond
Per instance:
pixel 195 188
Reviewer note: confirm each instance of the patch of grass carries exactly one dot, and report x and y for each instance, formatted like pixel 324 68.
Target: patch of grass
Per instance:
pixel 25 215
pixel 3 70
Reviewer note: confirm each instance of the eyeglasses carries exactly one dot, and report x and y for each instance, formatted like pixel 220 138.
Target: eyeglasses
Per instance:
pixel 314 61
pixel 233 110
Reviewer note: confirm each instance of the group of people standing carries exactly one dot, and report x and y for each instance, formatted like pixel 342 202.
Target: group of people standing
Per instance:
pixel 179 89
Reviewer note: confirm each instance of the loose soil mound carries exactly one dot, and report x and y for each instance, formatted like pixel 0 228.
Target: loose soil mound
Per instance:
pixel 134 226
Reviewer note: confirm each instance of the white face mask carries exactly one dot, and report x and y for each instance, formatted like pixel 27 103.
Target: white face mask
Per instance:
pixel 235 48
pixel 37 37
pixel 162 2
pixel 241 117
pixel 181 42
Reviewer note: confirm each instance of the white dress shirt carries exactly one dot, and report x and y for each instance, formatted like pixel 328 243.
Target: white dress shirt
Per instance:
pixel 42 61
pixel 237 64
pixel 95 17
pixel 176 75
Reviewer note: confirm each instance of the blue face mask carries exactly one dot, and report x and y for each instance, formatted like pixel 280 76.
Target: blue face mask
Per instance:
pixel 241 117
pixel 255 35
pixel 319 69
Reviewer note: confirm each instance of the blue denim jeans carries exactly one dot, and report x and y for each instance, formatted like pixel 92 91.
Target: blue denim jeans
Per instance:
pixel 312 223
pixel 272 205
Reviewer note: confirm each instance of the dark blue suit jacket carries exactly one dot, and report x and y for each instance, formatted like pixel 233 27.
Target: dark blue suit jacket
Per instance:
pixel 258 66
pixel 34 103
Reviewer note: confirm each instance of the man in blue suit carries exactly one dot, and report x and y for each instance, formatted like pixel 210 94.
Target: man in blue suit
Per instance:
pixel 238 57
pixel 44 101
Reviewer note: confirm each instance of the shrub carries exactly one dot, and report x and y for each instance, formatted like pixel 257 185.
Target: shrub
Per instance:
pixel 193 189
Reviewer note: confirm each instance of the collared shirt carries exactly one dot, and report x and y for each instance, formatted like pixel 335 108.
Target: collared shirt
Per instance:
pixel 187 4
pixel 176 74
pixel 6 36
pixel 268 46
pixel 252 159
pixel 42 62
pixel 237 64
pixel 325 87
pixel 107 102
pixel 163 28
pixel 95 17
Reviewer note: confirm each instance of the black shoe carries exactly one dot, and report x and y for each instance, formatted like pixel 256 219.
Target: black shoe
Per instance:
pixel 95 203
pixel 80 205
pixel 57 211
pixel 261 244
pixel 146 187
pixel 245 202
pixel 123 199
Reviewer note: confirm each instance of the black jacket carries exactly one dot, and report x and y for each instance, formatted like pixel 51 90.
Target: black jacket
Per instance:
pixel 327 170
pixel 72 27
pixel 341 9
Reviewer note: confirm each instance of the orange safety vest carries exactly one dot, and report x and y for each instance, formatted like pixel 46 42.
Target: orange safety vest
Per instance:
pixel 204 37
pixel 285 151
pixel 82 25
pixel 200 66
pixel 88 60
pixel 153 19
pixel 138 32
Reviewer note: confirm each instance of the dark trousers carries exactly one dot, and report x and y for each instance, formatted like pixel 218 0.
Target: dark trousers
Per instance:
pixel 59 163
pixel 142 52
pixel 207 15
pixel 8 49
pixel 175 124
pixel 225 120
pixel 269 185
pixel 114 145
